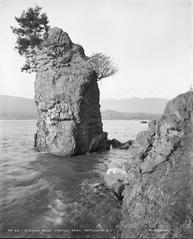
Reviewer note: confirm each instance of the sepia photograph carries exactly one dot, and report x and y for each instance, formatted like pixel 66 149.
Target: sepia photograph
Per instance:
pixel 96 119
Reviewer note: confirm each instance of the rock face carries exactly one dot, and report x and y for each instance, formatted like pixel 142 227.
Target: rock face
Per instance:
pixel 158 194
pixel 67 98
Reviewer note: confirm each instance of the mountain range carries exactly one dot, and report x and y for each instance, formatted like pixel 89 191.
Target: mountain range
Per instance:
pixel 12 107
pixel 135 105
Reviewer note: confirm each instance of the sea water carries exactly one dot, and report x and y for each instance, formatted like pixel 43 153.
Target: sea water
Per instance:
pixel 46 196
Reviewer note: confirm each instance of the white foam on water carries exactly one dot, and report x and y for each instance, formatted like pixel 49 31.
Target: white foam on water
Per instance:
pixel 56 212
pixel 115 171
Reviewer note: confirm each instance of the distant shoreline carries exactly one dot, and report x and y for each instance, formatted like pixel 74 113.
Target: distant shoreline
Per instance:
pixel 19 108
pixel 16 119
pixel 102 119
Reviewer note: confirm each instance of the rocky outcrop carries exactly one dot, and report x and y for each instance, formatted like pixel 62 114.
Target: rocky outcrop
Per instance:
pixel 116 144
pixel 158 194
pixel 67 98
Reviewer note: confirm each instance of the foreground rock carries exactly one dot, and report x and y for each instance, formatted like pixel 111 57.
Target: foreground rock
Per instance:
pixel 158 194
pixel 67 98
pixel 114 179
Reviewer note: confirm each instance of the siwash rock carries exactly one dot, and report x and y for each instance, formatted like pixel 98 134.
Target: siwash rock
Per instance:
pixel 158 194
pixel 67 98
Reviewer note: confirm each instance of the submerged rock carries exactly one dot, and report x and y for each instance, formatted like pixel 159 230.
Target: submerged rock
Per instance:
pixel 158 197
pixel 116 144
pixel 126 145
pixel 67 98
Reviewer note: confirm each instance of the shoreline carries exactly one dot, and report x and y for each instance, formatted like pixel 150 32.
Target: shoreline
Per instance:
pixel 102 119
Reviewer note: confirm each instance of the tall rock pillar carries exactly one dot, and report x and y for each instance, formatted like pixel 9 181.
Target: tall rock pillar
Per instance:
pixel 67 98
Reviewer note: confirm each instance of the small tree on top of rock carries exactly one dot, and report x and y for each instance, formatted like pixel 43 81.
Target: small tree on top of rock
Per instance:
pixel 103 65
pixel 33 29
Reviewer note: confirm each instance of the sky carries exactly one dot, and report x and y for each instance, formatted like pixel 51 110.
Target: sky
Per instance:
pixel 150 41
